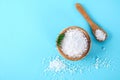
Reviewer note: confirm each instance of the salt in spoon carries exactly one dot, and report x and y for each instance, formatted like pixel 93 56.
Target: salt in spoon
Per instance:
pixel 99 33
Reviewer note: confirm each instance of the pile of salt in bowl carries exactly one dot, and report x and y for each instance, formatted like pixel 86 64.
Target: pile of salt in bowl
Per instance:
pixel 75 43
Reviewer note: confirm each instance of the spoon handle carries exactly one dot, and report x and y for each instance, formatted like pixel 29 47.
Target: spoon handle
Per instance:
pixel 82 11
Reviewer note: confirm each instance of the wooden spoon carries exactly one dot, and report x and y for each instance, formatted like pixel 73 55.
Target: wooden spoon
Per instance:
pixel 94 26
pixel 84 54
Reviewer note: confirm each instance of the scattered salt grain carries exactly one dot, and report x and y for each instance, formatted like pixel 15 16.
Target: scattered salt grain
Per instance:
pixel 105 63
pixel 103 48
pixel 61 66
pixel 97 63
pixel 57 65
pixel 100 35
pixel 74 43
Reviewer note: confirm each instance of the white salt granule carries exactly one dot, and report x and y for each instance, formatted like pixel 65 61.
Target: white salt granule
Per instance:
pixel 74 43
pixel 56 65
pixel 101 63
pixel 97 63
pixel 100 35
pixel 60 66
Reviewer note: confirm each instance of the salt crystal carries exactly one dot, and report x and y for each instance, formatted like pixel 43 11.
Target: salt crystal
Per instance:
pixel 57 65
pixel 62 66
pixel 103 48
pixel 100 35
pixel 74 43
pixel 102 63
pixel 97 63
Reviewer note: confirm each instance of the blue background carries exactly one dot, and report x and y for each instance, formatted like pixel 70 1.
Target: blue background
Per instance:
pixel 29 28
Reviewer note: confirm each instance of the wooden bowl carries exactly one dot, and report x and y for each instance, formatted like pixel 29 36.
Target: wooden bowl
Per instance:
pixel 84 54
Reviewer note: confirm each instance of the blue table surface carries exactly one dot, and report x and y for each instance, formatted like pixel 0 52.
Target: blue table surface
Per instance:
pixel 29 28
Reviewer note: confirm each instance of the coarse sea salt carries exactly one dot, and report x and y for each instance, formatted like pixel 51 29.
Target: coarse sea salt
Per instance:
pixel 74 43
pixel 56 65
pixel 60 65
pixel 100 35
pixel 99 62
